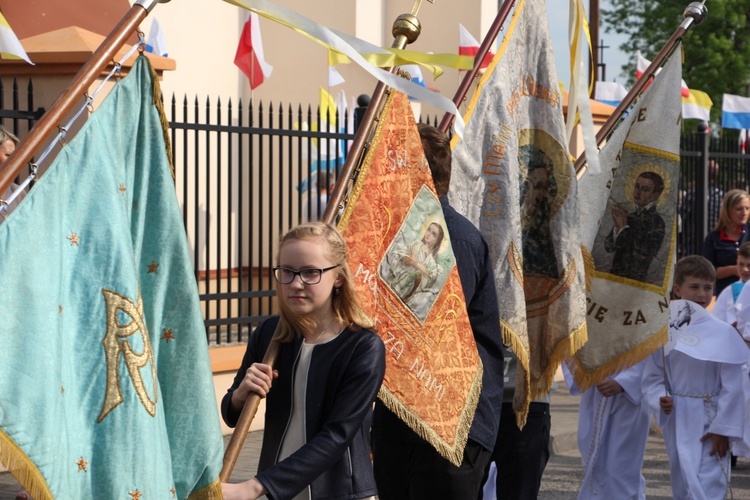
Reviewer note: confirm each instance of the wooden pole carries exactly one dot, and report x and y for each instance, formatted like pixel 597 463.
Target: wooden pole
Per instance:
pixel 98 61
pixel 695 13
pixel 489 39
pixel 406 29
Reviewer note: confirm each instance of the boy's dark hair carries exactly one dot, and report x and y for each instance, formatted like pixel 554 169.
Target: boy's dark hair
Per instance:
pixel 437 149
pixel 693 266
pixel 744 250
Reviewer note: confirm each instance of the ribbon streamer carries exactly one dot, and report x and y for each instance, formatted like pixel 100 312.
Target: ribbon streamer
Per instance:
pixel 579 107
pixel 338 42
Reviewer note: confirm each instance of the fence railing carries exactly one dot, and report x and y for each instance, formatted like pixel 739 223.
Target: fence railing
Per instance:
pixel 17 113
pixel 245 176
pixel 710 166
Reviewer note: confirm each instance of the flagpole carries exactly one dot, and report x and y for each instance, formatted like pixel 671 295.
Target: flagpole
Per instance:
pixel 694 14
pixel 406 30
pixel 489 39
pixel 98 61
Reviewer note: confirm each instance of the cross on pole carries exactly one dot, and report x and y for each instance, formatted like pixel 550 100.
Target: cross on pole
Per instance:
pixel 417 4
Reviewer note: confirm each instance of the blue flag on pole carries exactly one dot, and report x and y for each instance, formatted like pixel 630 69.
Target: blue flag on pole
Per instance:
pixel 105 379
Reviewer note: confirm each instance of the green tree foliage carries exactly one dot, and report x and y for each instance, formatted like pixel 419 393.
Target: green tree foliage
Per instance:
pixel 716 53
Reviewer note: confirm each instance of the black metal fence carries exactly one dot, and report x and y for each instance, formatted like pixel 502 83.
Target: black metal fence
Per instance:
pixel 17 113
pixel 710 167
pixel 245 176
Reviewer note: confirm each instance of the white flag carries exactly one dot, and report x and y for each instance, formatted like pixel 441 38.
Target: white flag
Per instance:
pixel 628 214
pixel 156 43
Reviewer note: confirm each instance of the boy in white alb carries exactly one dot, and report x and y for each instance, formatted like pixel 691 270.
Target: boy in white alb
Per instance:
pixel 738 315
pixel 613 424
pixel 694 386
pixel 727 303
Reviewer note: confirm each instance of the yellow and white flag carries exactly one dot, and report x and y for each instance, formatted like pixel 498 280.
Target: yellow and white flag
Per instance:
pixel 10 47
pixel 628 220
pixel 512 177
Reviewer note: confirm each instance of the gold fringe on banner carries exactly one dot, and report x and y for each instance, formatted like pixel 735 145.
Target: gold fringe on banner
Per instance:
pixel 453 452
pixel 522 395
pixel 156 90
pixel 586 379
pixel 210 492
pixel 589 268
pixel 23 468
pixel 563 351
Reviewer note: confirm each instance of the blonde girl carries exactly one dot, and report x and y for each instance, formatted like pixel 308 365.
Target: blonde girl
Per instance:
pixel 320 392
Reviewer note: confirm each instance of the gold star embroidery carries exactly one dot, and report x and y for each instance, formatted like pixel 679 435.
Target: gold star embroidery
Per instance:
pixel 172 491
pixel 135 495
pixel 122 188
pixel 62 389
pixel 73 238
pixel 59 309
pixel 167 335
pixel 153 267
pixel 81 463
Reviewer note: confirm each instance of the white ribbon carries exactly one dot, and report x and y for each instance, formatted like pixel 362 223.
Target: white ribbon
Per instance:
pixel 345 44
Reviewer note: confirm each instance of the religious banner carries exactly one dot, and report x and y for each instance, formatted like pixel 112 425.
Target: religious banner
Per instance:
pixel 513 178
pixel 628 220
pixel 106 384
pixel 401 257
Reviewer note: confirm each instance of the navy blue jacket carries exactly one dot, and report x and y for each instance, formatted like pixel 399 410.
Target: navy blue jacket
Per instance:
pixel 343 380
pixel 722 251
pixel 477 279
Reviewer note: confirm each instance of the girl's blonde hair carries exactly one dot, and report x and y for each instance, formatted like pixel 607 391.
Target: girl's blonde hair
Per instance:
pixel 730 200
pixel 5 135
pixel 344 300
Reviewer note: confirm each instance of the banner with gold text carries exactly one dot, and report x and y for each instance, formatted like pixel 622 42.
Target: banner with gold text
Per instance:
pixel 105 379
pixel 628 216
pixel 401 257
pixel 512 177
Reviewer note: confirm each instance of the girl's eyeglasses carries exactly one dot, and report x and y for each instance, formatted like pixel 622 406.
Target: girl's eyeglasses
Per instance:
pixel 308 276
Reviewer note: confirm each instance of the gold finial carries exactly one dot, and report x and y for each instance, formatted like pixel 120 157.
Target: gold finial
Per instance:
pixel 406 28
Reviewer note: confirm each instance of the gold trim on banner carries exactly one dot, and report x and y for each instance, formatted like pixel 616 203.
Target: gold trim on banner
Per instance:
pixel 564 350
pixel 586 379
pixel 210 492
pixel 157 94
pixel 491 68
pixel 589 267
pixel 364 169
pixel 453 453
pixel 23 468
pixel 651 151
pixel 522 395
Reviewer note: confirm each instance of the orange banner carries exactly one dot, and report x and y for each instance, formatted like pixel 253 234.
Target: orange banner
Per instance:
pixel 403 263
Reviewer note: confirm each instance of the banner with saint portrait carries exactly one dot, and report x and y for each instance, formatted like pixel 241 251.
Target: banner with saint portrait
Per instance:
pixel 628 213
pixel 403 264
pixel 513 178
